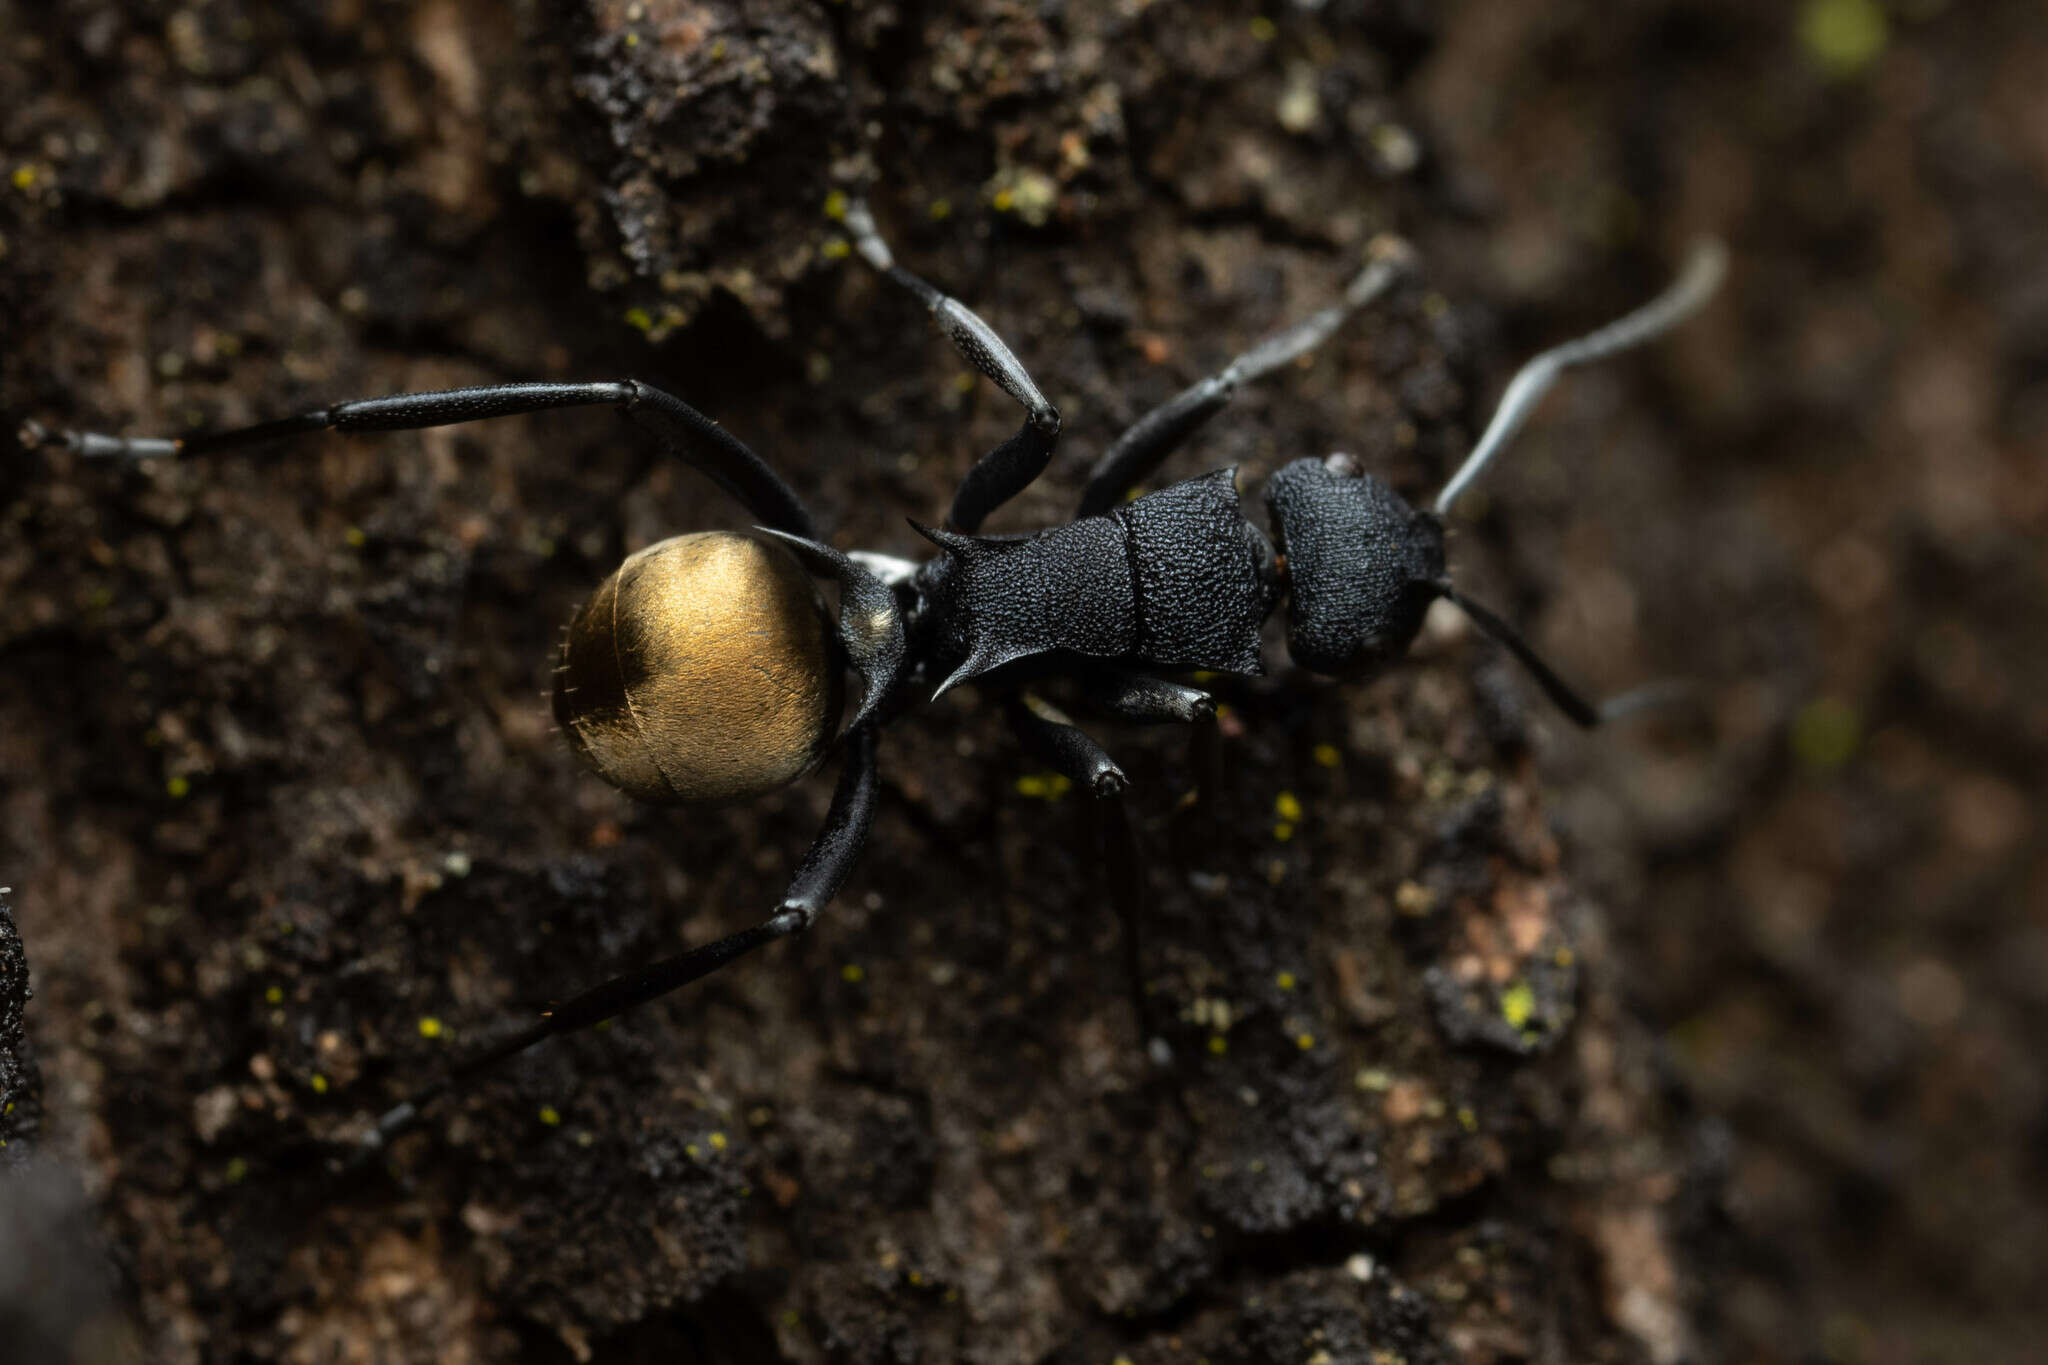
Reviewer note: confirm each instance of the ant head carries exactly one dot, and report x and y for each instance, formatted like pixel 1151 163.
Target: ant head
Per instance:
pixel 1363 566
pixel 705 670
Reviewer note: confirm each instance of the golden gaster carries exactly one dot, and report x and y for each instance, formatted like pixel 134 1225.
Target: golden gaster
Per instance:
pixel 704 671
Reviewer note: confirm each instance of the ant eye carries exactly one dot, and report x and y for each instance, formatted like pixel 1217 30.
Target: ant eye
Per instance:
pixel 704 671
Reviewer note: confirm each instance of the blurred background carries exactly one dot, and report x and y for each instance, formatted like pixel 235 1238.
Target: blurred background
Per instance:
pixel 1834 890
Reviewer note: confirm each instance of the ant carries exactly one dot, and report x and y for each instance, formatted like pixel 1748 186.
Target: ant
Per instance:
pixel 707 668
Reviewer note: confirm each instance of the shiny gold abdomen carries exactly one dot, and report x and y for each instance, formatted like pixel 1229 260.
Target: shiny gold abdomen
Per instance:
pixel 704 671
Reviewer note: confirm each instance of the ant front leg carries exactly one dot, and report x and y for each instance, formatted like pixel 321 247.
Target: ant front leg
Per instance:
pixel 700 442
pixel 818 878
pixel 1007 470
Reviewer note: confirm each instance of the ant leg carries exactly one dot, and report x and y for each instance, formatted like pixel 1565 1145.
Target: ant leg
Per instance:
pixel 1047 732
pixel 1139 697
pixel 818 878
pixel 1126 873
pixel 1149 440
pixel 1155 701
pixel 1205 755
pixel 701 442
pixel 1008 469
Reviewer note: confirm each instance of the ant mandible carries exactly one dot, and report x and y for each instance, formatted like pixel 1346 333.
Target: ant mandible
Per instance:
pixel 707 669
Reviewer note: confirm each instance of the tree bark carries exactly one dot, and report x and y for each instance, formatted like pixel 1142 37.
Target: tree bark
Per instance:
pixel 287 828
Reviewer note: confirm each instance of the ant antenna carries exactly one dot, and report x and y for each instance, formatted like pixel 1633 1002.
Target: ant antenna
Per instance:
pixel 1566 697
pixel 1704 269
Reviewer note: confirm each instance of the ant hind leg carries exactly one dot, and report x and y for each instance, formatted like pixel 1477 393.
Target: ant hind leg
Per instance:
pixel 1048 733
pixel 818 878
pixel 686 432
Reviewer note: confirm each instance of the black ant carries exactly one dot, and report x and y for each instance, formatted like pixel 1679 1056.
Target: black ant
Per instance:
pixel 708 670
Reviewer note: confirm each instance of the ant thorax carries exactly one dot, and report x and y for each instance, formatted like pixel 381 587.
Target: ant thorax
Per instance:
pixel 1175 580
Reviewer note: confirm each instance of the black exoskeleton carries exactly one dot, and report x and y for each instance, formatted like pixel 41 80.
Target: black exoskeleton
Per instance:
pixel 1362 565
pixel 1179 580
pixel 706 669
pixel 1176 580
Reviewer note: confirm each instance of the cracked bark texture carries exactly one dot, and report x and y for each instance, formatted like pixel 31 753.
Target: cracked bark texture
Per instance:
pixel 287 826
pixel 21 1082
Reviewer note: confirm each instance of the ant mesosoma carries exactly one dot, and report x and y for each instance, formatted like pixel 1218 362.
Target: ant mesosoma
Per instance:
pixel 707 668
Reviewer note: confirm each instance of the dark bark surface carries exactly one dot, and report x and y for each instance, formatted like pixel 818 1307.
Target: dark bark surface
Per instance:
pixel 287 827
pixel 21 1082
